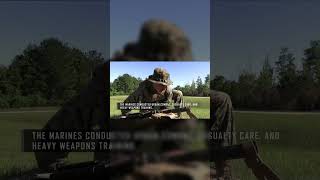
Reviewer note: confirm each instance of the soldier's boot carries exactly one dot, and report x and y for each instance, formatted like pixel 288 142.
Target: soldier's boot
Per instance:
pixel 223 170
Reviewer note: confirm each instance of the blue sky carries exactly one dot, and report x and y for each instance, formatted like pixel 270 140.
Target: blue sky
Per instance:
pixel 193 16
pixel 181 73
pixel 83 24
pixel 246 31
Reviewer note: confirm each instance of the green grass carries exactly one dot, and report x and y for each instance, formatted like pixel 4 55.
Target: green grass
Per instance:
pixel 202 111
pixel 12 159
pixel 295 156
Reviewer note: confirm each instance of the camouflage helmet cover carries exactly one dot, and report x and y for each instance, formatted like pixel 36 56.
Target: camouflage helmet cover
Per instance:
pixel 158 40
pixel 160 76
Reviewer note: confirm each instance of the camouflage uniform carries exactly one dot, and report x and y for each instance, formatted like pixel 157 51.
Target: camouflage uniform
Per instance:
pixel 223 121
pixel 159 40
pixel 145 93
pixel 85 111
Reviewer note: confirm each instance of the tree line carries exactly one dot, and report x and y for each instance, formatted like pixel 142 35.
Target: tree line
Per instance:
pixel 196 88
pixel 126 84
pixel 46 74
pixel 279 86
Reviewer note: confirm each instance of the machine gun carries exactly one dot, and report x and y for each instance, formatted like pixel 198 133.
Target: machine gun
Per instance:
pixel 150 113
pixel 151 118
pixel 104 169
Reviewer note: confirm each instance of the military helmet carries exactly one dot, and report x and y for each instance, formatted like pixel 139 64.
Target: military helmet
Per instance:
pixel 160 76
pixel 158 40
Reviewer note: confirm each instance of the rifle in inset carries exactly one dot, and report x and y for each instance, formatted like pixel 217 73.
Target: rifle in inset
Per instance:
pixel 148 114
pixel 141 120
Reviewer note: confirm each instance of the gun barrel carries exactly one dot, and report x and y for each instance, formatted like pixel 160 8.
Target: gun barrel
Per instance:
pixel 42 176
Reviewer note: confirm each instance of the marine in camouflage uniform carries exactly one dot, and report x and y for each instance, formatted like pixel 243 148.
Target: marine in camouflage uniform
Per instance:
pixel 158 40
pixel 156 89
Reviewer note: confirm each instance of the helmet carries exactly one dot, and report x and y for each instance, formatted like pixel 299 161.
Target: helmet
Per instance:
pixel 158 40
pixel 160 76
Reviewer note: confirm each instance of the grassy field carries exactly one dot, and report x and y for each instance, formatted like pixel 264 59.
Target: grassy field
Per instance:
pixel 295 156
pixel 202 111
pixel 12 159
